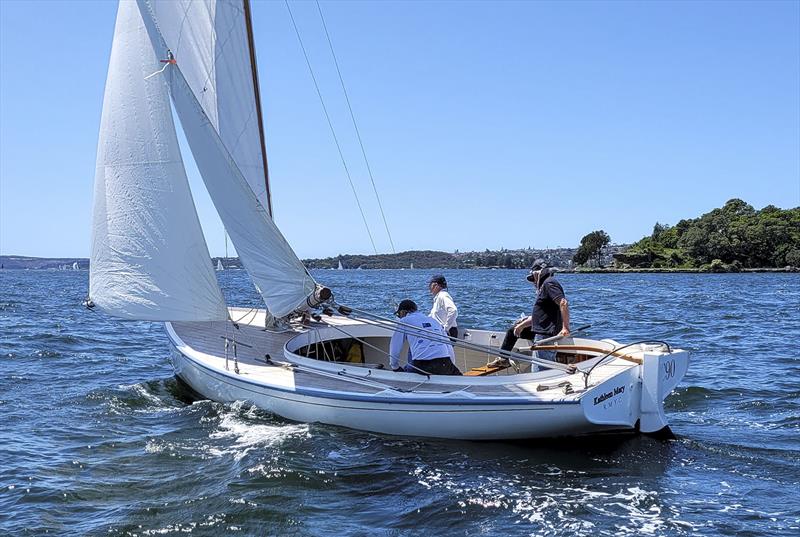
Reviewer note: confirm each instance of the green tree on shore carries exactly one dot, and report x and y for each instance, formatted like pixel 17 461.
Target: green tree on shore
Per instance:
pixel 734 235
pixel 592 246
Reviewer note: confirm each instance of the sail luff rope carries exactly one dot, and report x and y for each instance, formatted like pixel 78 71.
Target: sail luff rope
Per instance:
pixel 355 126
pixel 330 124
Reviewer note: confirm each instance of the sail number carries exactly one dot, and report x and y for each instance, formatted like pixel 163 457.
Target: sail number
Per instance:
pixel 669 369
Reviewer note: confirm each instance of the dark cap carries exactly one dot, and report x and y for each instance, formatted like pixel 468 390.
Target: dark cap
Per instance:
pixel 406 305
pixel 538 264
pixel 438 279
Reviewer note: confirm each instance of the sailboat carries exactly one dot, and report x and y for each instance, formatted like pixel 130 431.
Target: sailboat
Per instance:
pixel 340 267
pixel 303 355
pixel 75 266
pixel 219 265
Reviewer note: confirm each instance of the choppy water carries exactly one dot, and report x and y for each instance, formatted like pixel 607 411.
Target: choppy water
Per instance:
pixel 96 437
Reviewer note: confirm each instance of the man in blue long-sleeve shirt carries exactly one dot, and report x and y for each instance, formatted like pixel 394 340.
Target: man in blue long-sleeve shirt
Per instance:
pixel 428 356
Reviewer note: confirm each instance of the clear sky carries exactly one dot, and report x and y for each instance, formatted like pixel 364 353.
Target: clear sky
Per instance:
pixel 487 124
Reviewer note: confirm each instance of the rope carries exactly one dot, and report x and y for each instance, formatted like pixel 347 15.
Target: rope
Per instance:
pixel 347 377
pixel 362 341
pixel 157 72
pixel 253 310
pixel 440 338
pixel 330 124
pixel 381 351
pixel 612 351
pixel 358 133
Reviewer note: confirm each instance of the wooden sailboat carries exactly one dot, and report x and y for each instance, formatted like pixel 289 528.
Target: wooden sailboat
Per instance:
pixel 150 261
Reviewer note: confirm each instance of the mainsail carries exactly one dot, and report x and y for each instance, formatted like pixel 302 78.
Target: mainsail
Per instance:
pixel 211 84
pixel 149 258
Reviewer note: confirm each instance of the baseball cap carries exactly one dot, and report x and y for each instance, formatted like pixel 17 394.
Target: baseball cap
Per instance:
pixel 538 264
pixel 406 305
pixel 438 279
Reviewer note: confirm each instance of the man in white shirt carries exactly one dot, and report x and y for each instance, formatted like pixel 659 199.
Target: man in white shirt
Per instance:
pixel 444 309
pixel 427 356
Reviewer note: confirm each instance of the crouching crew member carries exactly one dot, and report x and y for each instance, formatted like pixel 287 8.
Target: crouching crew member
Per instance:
pixel 550 316
pixel 427 356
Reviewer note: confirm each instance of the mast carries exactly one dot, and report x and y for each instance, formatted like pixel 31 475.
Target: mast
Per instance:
pixel 257 93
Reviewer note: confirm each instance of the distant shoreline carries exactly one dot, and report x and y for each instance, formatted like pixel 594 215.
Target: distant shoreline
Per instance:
pixel 674 270
pixel 11 262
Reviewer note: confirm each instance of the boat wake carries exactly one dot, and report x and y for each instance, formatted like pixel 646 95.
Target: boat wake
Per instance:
pixel 143 397
pixel 240 429
pixel 555 506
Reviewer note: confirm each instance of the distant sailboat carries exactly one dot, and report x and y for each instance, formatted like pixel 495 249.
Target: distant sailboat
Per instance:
pixel 219 265
pixel 75 266
pixel 412 266
pixel 340 267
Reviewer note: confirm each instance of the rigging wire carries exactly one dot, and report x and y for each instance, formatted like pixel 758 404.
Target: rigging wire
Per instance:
pixel 358 133
pixel 330 124
pixel 385 322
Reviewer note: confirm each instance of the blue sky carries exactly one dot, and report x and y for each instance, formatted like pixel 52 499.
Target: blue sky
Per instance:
pixel 487 125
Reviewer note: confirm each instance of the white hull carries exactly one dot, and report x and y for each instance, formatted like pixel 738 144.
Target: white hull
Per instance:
pixel 457 421
pixel 470 408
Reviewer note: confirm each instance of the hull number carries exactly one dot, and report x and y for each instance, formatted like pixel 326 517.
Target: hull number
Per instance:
pixel 669 369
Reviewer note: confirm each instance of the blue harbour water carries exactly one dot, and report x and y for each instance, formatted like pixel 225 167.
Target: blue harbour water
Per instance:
pixel 97 438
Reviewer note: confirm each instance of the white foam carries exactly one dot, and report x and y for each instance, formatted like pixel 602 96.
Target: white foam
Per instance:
pixel 247 436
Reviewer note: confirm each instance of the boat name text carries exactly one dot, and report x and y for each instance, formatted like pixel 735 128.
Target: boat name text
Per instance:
pixel 608 395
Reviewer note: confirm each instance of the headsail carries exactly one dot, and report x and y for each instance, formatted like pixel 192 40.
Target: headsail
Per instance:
pixel 212 65
pixel 149 257
pixel 209 38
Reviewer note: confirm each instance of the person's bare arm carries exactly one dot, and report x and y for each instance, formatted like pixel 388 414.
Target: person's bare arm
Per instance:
pixel 522 325
pixel 564 307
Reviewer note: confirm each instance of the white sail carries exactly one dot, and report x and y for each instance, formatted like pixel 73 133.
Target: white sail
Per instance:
pixel 279 276
pixel 75 266
pixel 149 258
pixel 209 40
pixel 219 265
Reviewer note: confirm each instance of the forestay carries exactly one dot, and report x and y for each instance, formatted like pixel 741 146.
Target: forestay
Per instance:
pixel 149 258
pixel 207 48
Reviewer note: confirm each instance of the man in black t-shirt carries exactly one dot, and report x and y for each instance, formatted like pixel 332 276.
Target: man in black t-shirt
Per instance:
pixel 550 315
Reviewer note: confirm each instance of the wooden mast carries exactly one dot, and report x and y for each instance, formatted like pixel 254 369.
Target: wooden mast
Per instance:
pixel 257 93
